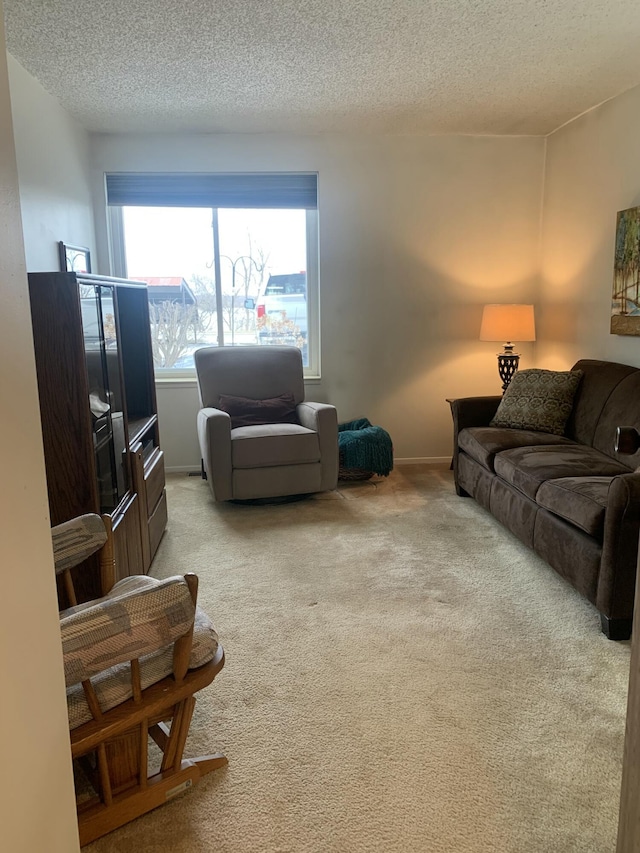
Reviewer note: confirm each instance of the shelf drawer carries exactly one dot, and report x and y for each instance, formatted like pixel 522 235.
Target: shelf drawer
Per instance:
pixel 157 524
pixel 154 480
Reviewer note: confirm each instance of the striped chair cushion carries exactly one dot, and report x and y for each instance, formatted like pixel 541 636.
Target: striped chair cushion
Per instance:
pixel 140 618
pixel 75 540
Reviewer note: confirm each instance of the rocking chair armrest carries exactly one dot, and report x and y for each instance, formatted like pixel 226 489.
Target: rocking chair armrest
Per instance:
pixel 75 540
pixel 125 627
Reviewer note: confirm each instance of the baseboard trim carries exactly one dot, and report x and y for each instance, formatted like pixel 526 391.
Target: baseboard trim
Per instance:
pixel 434 461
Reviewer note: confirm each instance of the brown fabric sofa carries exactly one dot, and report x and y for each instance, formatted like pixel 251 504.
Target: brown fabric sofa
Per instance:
pixel 571 498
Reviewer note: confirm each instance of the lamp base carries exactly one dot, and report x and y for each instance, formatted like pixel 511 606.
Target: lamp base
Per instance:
pixel 507 366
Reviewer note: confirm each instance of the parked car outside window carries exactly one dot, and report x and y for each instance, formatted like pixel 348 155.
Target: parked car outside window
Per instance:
pixel 281 310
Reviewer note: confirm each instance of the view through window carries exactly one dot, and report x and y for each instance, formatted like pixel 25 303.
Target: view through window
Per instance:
pixel 261 258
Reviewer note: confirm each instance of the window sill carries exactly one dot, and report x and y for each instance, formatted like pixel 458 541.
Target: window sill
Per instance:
pixel 176 382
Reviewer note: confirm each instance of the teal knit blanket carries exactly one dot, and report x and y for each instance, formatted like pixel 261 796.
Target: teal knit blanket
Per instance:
pixel 365 446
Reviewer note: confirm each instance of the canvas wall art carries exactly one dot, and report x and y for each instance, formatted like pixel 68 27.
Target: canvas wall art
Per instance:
pixel 625 303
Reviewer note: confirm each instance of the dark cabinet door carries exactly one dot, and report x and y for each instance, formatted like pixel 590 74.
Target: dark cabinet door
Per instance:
pixel 67 427
pixel 106 399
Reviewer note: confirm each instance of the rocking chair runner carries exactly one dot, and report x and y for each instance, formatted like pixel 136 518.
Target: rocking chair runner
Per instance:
pixel 160 649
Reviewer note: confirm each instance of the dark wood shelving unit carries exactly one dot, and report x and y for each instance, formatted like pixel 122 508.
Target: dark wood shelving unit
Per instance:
pixel 94 363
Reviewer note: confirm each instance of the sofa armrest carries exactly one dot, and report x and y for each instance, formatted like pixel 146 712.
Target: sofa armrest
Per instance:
pixel 473 411
pixel 617 579
pixel 469 412
pixel 214 436
pixel 323 419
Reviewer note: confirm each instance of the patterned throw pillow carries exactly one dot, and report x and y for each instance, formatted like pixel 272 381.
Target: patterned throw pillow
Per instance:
pixel 539 400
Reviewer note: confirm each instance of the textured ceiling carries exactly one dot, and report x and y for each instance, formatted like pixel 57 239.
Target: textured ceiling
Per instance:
pixel 431 66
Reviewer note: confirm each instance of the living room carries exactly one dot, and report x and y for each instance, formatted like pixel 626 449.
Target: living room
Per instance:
pixel 418 231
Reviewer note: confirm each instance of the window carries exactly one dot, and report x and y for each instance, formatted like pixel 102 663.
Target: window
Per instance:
pixel 228 260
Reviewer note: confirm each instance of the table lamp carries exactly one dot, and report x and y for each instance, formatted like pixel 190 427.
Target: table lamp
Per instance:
pixel 507 323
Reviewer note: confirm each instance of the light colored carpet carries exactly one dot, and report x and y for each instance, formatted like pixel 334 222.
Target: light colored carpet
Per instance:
pixel 402 675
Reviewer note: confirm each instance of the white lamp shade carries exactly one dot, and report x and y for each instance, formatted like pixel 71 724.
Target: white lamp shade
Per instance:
pixel 508 323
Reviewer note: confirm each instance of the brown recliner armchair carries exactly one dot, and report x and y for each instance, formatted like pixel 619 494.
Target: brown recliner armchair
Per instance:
pixel 264 459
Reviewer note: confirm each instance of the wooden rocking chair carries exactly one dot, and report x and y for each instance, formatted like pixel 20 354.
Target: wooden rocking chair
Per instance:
pixel 133 661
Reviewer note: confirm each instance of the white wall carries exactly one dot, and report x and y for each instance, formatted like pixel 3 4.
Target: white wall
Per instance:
pixel 37 808
pixel 53 170
pixel 416 234
pixel 593 171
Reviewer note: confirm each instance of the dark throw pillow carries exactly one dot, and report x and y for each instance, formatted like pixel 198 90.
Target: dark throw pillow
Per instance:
pixel 539 400
pixel 247 412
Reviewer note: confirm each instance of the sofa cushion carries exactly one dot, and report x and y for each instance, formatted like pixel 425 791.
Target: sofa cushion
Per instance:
pixel 526 468
pixel 539 400
pixel 271 445
pixel 482 443
pixel 580 500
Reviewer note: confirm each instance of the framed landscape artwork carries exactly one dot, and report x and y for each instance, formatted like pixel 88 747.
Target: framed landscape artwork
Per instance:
pixel 625 303
pixel 74 258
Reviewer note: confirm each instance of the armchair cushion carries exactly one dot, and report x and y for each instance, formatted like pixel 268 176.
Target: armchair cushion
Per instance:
pixel 268 445
pixel 245 411
pixel 113 682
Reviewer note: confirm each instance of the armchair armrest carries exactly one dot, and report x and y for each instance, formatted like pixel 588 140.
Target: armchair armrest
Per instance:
pixel 323 419
pixel 214 436
pixel 124 626
pixel 317 416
